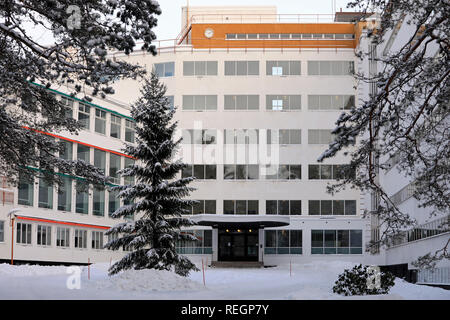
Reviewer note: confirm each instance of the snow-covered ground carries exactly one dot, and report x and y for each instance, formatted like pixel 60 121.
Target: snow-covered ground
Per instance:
pixel 307 281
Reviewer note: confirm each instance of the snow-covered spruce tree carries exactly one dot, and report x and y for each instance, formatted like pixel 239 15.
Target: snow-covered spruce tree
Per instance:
pixel 408 117
pixel 157 196
pixel 55 43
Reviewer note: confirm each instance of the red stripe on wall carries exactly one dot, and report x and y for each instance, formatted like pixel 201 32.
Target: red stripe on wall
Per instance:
pixel 63 222
pixel 79 142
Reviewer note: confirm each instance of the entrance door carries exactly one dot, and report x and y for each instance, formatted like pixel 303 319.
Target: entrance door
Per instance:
pixel 238 245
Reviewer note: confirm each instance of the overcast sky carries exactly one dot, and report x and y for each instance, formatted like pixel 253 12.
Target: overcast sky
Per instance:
pixel 169 22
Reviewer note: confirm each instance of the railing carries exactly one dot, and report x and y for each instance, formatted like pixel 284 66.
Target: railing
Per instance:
pixel 262 18
pixel 423 231
pixel 434 276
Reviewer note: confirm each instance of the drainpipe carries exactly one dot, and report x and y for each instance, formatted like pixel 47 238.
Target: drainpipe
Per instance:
pixel 12 217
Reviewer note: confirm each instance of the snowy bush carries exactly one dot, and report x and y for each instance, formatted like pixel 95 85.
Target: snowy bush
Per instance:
pixel 363 281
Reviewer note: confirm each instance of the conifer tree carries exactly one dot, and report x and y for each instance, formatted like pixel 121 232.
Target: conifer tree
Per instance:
pixel 156 198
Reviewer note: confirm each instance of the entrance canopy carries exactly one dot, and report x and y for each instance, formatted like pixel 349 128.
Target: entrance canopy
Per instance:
pixel 242 221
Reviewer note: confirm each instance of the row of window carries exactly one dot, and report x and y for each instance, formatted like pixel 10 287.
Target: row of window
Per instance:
pixel 267 172
pixel 251 68
pixel 252 136
pixel 276 241
pixel 275 207
pixel 289 36
pixel 86 202
pixel 44 236
pixel 100 121
pixel 273 102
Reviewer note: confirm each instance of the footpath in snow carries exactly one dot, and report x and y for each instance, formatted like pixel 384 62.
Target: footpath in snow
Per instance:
pixel 307 281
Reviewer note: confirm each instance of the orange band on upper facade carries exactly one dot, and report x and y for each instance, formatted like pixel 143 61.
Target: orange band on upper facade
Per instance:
pixel 199 40
pixel 82 143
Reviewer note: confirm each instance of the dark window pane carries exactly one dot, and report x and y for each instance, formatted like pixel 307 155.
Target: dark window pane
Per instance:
pixel 283 207
pixel 186 172
pixel 228 206
pixel 270 238
pixel 330 238
pixel 199 171
pixel 316 238
pixel 296 238
pixel 343 239
pixel 253 172
pixel 313 171
pixel 210 206
pixel 210 172
pixel 295 172
pixel 350 207
pixel 356 238
pixel 198 207
pixel 229 172
pixel 325 171
pixel 271 206
pixel 314 207
pixel 283 238
pixel 241 207
pixel 296 207
pixel 325 207
pixel 252 207
pixel 241 172
pixel 338 207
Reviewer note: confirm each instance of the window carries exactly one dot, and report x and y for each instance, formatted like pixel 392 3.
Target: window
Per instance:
pixel 115 126
pixel 68 104
pixel 129 130
pixel 241 136
pixel 128 179
pixel 284 207
pixel 205 136
pixel 114 202
pixel 283 172
pixel 62 237
pixel 100 121
pixel 200 68
pixel 240 207
pixel 99 202
pixel 283 68
pixel 66 150
pixel 114 167
pixel 23 233
pixel 25 191
pixel 80 239
pixel 203 245
pixel 241 172
pixel 331 102
pixel 84 114
pixel 284 136
pixel 330 68
pixel 171 102
pixel 332 207
pixel 84 153
pixel 165 69
pixel 82 201
pixel 44 235
pixel 203 207
pixel 283 102
pixel 200 102
pixel 336 241
pixel 2 231
pixel 328 171
pixel 200 171
pixel 319 136
pixel 283 242
pixel 45 194
pixel 241 102
pixel 241 68
pixel 100 159
pixel 97 240
pixel 65 195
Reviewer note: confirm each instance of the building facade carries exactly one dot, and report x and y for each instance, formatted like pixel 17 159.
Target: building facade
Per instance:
pixel 257 95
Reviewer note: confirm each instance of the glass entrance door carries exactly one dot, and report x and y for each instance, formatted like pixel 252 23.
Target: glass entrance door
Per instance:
pixel 238 245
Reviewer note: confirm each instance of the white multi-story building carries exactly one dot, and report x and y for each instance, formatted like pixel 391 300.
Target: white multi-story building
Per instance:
pixel 432 230
pixel 257 96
